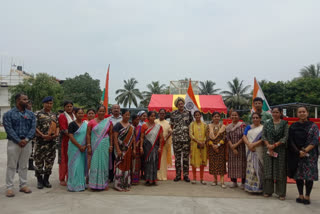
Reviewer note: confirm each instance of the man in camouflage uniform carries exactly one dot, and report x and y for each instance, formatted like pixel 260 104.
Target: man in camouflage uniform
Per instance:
pixel 180 120
pixel 45 151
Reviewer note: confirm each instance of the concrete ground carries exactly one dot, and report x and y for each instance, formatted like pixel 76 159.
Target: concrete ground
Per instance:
pixel 167 197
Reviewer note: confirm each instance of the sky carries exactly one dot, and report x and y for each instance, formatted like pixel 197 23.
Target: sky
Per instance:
pixel 161 40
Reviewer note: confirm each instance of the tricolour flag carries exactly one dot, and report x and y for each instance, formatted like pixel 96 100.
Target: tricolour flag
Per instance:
pixel 257 92
pixel 106 90
pixel 190 100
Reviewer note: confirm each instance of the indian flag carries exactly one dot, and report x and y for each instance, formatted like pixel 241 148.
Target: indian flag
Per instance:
pixel 257 92
pixel 190 100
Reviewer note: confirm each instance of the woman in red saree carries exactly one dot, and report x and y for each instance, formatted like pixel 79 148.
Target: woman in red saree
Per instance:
pixel 64 120
pixel 137 165
pixel 151 143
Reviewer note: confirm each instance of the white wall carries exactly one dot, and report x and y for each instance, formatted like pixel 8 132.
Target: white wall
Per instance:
pixel 4 101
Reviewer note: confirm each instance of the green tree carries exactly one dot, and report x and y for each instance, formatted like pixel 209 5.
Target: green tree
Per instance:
pixel 207 88
pixel 237 97
pixel 129 94
pixel 311 71
pixel 304 90
pixel 153 88
pixel 275 93
pixel 37 88
pixel 83 90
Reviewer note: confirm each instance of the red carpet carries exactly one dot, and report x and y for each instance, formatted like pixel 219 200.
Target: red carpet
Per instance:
pixel 207 177
pixel 171 174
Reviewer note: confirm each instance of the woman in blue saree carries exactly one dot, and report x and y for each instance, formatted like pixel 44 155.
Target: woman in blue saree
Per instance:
pixel 99 144
pixel 76 152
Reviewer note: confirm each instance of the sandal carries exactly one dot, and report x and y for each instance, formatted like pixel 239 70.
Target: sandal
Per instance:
pixel 26 190
pixel 193 182
pixel 203 183
pixel 223 186
pixel 282 198
pixel 10 193
pixel 214 183
pixel 266 195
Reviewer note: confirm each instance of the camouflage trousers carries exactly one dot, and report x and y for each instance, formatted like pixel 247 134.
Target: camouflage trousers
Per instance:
pixel 44 155
pixel 181 150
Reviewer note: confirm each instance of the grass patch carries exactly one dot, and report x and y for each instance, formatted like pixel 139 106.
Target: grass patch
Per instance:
pixel 3 135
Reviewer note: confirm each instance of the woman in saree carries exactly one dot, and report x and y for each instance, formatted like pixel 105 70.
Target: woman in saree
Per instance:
pixel 237 156
pixel 124 142
pixel 151 142
pixel 91 113
pixel 252 138
pixel 197 133
pixel 166 158
pixel 303 154
pixel 99 144
pixel 137 160
pixel 64 120
pixel 76 153
pixel 217 149
pixel 275 136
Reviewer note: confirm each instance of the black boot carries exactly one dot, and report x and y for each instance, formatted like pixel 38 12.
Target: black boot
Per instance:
pixel 40 182
pixel 31 167
pixel 46 181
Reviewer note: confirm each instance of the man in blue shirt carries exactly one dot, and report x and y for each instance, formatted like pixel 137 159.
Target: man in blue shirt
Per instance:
pixel 20 125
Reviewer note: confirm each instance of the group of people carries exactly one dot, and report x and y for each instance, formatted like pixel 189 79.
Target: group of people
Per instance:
pixel 98 150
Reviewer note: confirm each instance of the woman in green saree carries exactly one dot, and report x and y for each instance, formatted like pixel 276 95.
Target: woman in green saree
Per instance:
pixel 76 153
pixel 99 144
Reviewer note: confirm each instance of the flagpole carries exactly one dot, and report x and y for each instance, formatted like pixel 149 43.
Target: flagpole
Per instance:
pixel 106 91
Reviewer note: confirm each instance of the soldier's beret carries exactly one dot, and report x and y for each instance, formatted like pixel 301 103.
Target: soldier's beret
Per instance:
pixel 47 99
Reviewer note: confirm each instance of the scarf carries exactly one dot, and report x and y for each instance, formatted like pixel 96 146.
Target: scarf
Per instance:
pixel 69 119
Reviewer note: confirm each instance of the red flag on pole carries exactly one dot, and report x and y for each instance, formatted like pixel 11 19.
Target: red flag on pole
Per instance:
pixel 106 91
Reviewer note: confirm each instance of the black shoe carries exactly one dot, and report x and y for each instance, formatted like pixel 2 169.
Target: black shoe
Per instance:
pixel 306 202
pixel 46 182
pixel 300 200
pixel 40 182
pixel 186 179
pixel 176 179
pixel 31 167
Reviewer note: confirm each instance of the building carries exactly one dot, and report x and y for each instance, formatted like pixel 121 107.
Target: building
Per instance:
pixel 16 76
pixel 181 87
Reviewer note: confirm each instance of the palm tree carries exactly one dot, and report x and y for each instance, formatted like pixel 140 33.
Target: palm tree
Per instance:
pixel 207 88
pixel 311 71
pixel 237 97
pixel 154 88
pixel 129 94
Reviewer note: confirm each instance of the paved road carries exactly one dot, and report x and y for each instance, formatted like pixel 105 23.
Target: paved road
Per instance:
pixel 167 197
